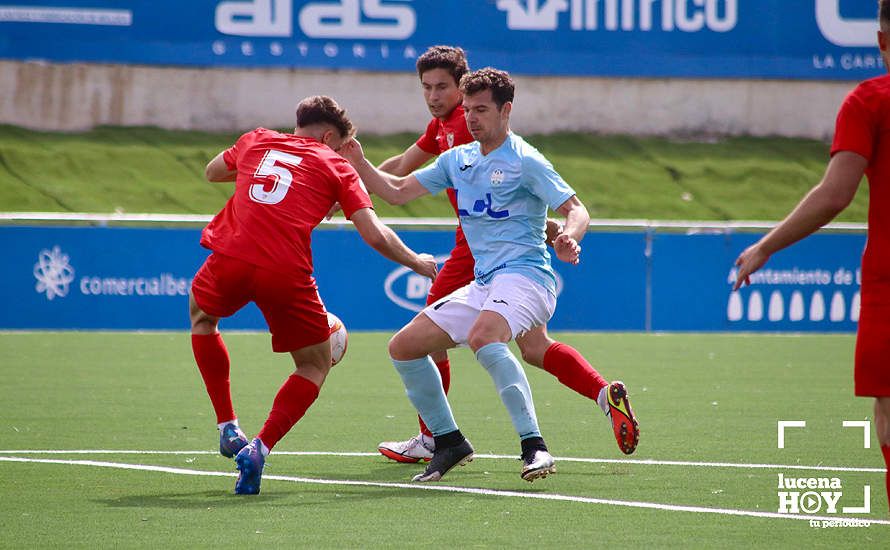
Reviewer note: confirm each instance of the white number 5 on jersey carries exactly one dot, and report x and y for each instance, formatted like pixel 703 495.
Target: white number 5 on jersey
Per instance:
pixel 279 174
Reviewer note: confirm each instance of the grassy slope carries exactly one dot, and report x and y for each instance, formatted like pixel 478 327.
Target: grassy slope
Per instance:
pixel 153 170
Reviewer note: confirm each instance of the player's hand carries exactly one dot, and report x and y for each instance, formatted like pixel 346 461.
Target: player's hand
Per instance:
pixel 567 249
pixel 334 209
pixel 352 151
pixel 426 266
pixel 553 229
pixel 748 262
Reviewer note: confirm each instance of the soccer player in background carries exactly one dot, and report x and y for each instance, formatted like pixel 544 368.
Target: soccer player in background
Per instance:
pixel 285 184
pixel 861 146
pixel 440 69
pixel 503 187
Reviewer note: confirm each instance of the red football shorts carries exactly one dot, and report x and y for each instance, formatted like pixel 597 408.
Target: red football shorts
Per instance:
pixel 456 273
pixel 291 305
pixel 872 373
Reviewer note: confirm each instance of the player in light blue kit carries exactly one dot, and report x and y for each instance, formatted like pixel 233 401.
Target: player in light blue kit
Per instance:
pixel 504 188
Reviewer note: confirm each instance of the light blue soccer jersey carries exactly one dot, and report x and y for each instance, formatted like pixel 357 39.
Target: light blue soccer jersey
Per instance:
pixel 502 200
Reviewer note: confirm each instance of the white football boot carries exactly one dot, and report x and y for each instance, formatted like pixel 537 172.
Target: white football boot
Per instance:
pixel 410 451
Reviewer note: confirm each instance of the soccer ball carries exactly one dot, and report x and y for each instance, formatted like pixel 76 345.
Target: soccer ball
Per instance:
pixel 339 338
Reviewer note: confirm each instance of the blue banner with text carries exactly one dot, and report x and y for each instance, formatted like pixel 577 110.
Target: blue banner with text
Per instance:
pixel 806 39
pixel 129 278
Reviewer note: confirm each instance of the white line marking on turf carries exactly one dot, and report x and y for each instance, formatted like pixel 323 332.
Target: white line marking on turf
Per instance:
pixel 640 462
pixel 450 489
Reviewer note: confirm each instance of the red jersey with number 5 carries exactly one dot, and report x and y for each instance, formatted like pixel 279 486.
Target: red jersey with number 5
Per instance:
pixel 285 186
pixel 863 127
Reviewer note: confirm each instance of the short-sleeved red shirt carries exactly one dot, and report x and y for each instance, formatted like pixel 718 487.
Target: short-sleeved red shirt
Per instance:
pixel 438 138
pixel 863 127
pixel 285 186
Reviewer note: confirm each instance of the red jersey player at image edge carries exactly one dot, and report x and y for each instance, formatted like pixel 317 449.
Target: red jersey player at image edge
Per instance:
pixel 861 146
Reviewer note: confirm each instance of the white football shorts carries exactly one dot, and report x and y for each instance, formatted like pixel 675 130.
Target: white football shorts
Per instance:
pixel 524 303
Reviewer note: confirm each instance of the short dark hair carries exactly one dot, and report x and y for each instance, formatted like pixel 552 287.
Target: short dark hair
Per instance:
pixel 499 82
pixel 884 14
pixel 320 109
pixel 450 58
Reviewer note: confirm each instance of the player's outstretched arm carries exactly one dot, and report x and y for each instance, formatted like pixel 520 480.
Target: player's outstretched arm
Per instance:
pixel 821 205
pixel 403 164
pixel 392 189
pixel 217 171
pixel 565 245
pixel 384 240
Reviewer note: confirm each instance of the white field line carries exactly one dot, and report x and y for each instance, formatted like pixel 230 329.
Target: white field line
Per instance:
pixel 646 462
pixel 451 489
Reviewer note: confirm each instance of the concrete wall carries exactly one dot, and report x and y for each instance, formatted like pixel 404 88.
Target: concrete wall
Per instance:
pixel 80 96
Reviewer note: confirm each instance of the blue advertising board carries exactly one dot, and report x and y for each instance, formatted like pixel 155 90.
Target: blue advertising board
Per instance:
pixel 811 286
pixel 128 278
pixel 805 39
pixel 119 278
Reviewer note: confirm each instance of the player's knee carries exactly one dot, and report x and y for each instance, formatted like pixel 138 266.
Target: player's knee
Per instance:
pixel 204 325
pixel 201 322
pixel 398 347
pixel 480 338
pixel 315 372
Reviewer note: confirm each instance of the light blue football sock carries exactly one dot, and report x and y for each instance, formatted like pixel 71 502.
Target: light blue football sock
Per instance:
pixel 512 386
pixel 423 384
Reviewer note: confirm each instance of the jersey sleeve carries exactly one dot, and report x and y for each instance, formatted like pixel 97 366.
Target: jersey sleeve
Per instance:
pixel 855 128
pixel 435 176
pixel 231 155
pixel 544 182
pixel 351 192
pixel 427 142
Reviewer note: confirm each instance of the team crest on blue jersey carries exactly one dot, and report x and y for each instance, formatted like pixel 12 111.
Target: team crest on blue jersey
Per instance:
pixel 497 176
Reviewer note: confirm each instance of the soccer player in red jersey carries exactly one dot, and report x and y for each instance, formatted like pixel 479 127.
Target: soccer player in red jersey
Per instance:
pixel 861 146
pixel 285 185
pixel 440 69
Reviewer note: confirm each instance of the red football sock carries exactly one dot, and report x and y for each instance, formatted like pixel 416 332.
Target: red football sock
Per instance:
pixel 213 362
pixel 886 450
pixel 569 366
pixel 295 396
pixel 444 370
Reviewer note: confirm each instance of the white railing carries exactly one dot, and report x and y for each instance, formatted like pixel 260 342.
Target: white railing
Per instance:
pixel 689 225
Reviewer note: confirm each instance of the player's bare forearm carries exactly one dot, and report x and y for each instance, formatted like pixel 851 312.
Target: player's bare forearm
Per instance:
pixel 577 218
pixel 821 205
pixel 393 189
pixel 401 165
pixel 390 246
pixel 379 183
pixel 393 165
pixel 384 240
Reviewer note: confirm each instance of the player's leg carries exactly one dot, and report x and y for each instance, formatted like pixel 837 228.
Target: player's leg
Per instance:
pixel 456 273
pixel 409 350
pixel 882 426
pixel 217 287
pixel 293 399
pixel 573 371
pixel 299 325
pixel 871 378
pixel 513 304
